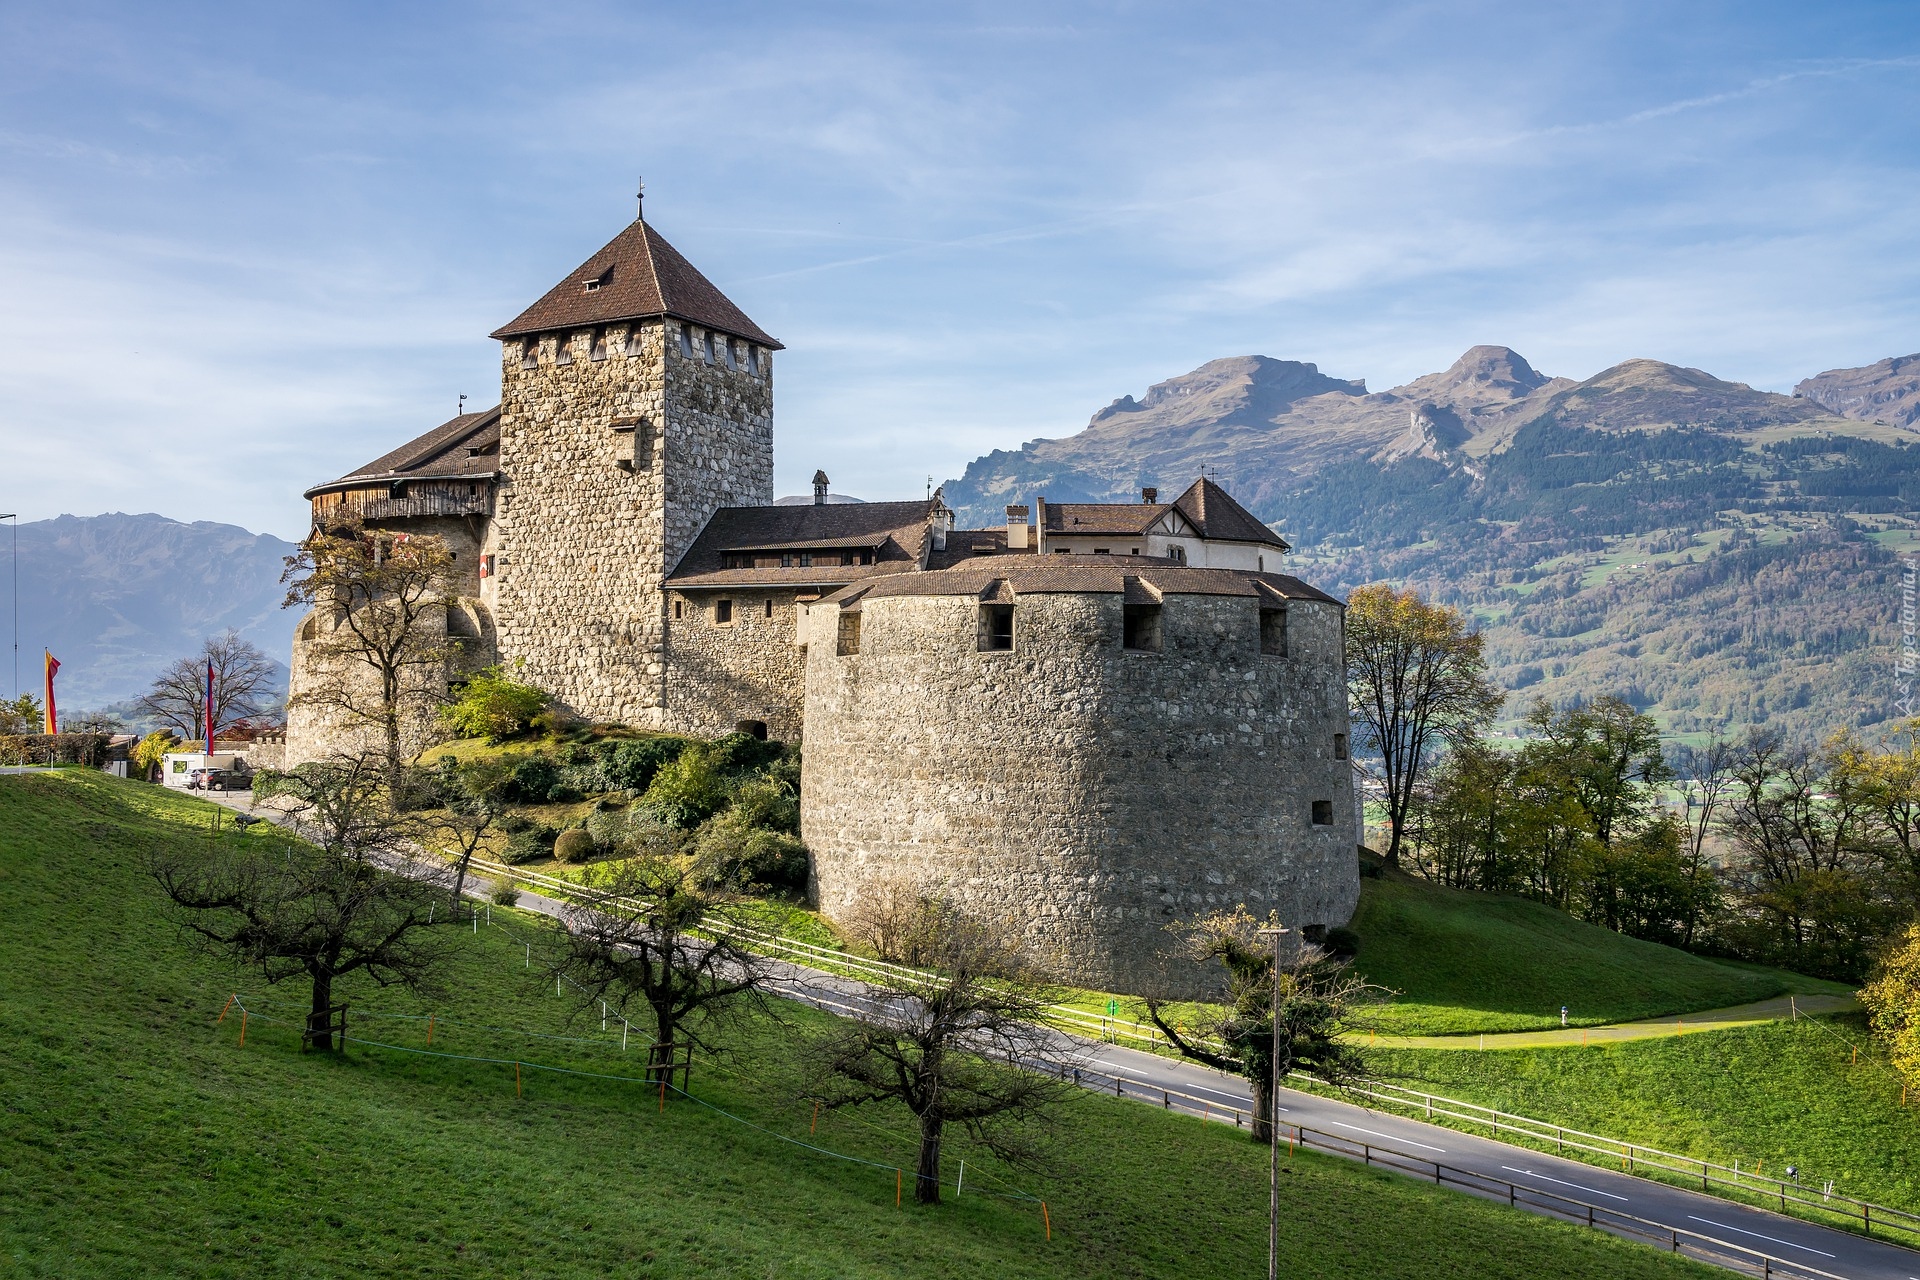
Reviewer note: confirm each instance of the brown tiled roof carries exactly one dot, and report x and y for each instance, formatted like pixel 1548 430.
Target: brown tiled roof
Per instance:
pixel 896 531
pixel 1103 517
pixel 638 275
pixel 1048 575
pixel 1214 512
pixel 963 544
pixel 442 453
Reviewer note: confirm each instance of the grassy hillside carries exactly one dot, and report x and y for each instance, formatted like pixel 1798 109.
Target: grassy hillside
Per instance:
pixel 1784 1093
pixel 1468 962
pixel 141 1139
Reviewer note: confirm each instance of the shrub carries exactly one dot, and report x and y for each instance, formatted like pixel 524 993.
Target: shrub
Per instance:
pixel 535 780
pixel 503 893
pixel 608 828
pixel 1343 943
pixel 534 842
pixel 630 765
pixel 555 722
pixel 151 751
pixel 742 753
pixel 493 706
pixel 746 853
pixel 769 803
pixel 688 791
pixel 573 845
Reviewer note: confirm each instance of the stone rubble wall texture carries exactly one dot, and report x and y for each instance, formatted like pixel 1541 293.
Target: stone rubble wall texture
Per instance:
pixel 1087 794
pixel 584 545
pixel 749 669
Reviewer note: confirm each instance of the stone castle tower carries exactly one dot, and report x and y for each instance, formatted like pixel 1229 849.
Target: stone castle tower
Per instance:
pixel 635 401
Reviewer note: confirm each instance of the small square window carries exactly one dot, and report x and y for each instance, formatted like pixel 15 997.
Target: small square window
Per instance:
pixel 848 638
pixel 1323 813
pixel 1339 746
pixel 1140 627
pixel 1273 632
pixel 722 612
pixel 996 628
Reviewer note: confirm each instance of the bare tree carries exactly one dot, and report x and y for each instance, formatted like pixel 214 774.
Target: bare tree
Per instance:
pixel 1416 681
pixel 1707 775
pixel 960 1045
pixel 386 597
pixel 895 922
pixel 245 686
pixel 323 908
pixel 1318 1000
pixel 461 804
pixel 652 929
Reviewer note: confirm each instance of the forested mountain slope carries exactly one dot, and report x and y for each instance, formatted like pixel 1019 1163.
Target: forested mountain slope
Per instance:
pixel 1719 555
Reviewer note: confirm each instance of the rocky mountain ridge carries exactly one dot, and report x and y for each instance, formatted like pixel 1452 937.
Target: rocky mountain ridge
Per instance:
pixel 1723 555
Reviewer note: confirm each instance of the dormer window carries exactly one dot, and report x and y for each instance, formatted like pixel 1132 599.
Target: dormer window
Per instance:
pixel 596 283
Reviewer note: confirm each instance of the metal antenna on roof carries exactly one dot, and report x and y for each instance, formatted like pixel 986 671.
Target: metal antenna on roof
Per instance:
pixel 640 201
pixel 929 488
pixel 463 405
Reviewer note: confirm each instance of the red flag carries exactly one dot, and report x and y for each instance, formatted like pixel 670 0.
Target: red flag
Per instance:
pixel 53 669
pixel 209 708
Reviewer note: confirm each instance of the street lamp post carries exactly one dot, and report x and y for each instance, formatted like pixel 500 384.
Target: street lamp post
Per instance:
pixel 1276 932
pixel 15 579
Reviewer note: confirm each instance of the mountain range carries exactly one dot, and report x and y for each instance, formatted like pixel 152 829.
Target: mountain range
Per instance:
pixel 117 597
pixel 1720 556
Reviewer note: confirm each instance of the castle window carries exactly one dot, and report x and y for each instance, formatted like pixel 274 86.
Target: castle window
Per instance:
pixel 1140 627
pixel 806 559
pixel 686 343
pixel 632 347
pixel 706 346
pixel 1102 551
pixel 563 349
pixel 753 359
pixel 599 346
pixel 1339 746
pixel 530 353
pixel 786 559
pixel 770 614
pixel 1179 555
pixel 996 628
pixel 1273 632
pixel 722 612
pixel 848 639
pixel 1323 813
pixel 1263 563
pixel 679 609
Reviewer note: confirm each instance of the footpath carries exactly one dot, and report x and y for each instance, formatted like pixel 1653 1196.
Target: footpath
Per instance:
pixel 1776 1009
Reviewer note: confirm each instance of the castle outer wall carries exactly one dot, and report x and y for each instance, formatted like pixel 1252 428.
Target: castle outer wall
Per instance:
pixel 1086 794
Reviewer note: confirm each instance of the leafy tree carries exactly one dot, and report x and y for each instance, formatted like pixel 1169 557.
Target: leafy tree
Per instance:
pixel 1892 1000
pixel 1316 998
pixel 150 752
pixel 245 686
pixel 494 706
pixel 23 715
pixel 653 930
pixel 323 909
pixel 381 662
pixel 1416 682
pixel 689 790
pixel 958 1044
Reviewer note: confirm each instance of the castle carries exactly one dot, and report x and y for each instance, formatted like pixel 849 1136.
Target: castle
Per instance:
pixel 1092 721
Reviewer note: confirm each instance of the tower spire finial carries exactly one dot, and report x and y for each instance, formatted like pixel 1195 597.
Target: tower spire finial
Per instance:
pixel 640 201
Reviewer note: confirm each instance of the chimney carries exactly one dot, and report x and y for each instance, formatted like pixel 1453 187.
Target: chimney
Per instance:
pixel 819 488
pixel 1149 495
pixel 1016 528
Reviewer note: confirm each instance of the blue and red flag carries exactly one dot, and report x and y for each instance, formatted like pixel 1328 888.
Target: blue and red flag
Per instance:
pixel 209 708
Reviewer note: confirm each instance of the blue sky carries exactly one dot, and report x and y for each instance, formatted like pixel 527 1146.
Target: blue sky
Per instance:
pixel 244 248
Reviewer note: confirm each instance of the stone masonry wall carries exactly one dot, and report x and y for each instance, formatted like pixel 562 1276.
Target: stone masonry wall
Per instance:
pixel 749 669
pixel 318 728
pixel 1089 794
pixel 584 544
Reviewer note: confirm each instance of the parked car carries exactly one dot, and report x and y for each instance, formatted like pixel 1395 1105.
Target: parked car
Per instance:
pixel 219 780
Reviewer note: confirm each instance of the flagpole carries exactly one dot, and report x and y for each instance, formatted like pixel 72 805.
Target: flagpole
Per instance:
pixel 16 600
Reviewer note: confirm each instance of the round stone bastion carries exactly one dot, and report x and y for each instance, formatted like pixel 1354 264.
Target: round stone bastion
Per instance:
pixel 1086 749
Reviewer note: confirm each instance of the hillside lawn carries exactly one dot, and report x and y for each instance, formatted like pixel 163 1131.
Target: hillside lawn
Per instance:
pixel 142 1139
pixel 1768 1096
pixel 1465 962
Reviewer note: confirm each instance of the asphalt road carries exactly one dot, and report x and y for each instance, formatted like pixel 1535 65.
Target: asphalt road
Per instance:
pixel 1470 1163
